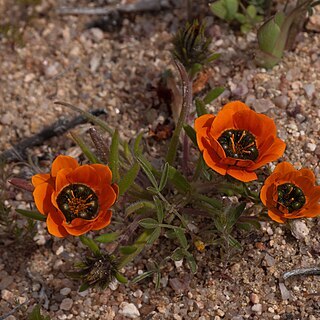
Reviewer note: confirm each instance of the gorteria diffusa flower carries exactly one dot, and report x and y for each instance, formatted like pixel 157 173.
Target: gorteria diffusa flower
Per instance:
pixel 291 194
pixel 75 199
pixel 238 141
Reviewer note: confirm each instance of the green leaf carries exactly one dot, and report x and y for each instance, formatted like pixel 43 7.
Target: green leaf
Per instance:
pixel 107 237
pixel 121 278
pixel 219 9
pixel 159 207
pixel 268 35
pixel 145 165
pixel 241 18
pixel 114 156
pixel 213 94
pixel 164 176
pixel 90 244
pixel 191 134
pixel 139 205
pixel 32 214
pixel 142 276
pixel 84 147
pixel 251 221
pixel 36 314
pixel 137 150
pixel 84 287
pixel 149 223
pixel 191 262
pixel 213 57
pixel 154 235
pixel 182 238
pixel 157 280
pixel 128 178
pixel 177 254
pixel 233 242
pixel 126 250
pixel 126 151
pixel 200 107
pixel 251 11
pixel 178 180
pixel 234 214
pixel 232 8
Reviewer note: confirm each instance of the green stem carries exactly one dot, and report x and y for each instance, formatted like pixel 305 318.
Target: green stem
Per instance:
pixel 187 101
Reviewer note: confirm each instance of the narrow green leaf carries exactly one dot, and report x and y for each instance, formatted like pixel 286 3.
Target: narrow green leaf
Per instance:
pixel 213 57
pixel 84 147
pixel 107 237
pixel 128 178
pixel 182 238
pixel 32 214
pixel 253 222
pixel 178 180
pixel 154 235
pixel 114 156
pixel 191 134
pixel 137 150
pixel 139 205
pixel 126 250
pixel 126 151
pixel 200 107
pixel 233 242
pixel 191 262
pixel 90 244
pixel 149 223
pixel 177 254
pixel 234 214
pixel 213 94
pixel 159 207
pixel 84 287
pixel 142 276
pixel 145 165
pixel 164 176
pixel 157 280
pixel 121 278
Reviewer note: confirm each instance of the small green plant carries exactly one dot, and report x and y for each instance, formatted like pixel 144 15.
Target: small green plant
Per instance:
pixel 275 34
pixel 235 11
pixel 36 314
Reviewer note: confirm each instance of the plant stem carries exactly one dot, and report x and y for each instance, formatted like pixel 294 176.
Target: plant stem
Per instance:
pixel 186 104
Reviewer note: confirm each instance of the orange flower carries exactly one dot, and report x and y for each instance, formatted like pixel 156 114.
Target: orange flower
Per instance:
pixel 238 141
pixel 75 199
pixel 290 193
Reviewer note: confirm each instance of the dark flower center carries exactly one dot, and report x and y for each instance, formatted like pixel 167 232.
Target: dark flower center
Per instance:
pixel 78 201
pixel 290 196
pixel 239 144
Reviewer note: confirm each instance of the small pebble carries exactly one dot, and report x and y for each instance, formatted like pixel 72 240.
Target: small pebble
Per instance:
pixel 65 291
pixel 299 229
pixel 66 304
pixel 254 298
pixel 257 308
pixel 129 310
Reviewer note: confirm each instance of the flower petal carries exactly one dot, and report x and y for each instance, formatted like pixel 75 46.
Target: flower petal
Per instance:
pixel 103 172
pixel 224 119
pixel 86 175
pixel 62 179
pixel 205 121
pixel 102 221
pixel 107 197
pixel 42 198
pixel 40 178
pixel 276 217
pixel 78 226
pixel 54 224
pixel 63 162
pixel 241 175
pixel 308 174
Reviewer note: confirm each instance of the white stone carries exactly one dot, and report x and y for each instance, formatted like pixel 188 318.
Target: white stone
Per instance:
pixel 129 310
pixel 66 304
pixel 65 291
pixel 299 229
pixel 311 147
pixel 257 308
